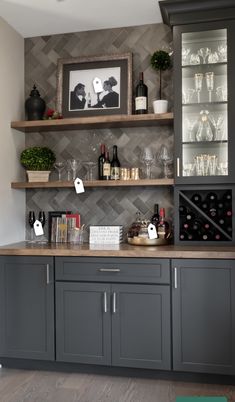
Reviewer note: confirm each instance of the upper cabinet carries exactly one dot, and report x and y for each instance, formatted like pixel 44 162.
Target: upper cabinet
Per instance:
pixel 204 64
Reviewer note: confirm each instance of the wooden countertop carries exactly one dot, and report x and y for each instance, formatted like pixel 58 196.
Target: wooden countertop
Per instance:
pixel 124 250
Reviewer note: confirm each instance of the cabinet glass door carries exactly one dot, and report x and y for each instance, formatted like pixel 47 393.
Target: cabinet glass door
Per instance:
pixel 204 104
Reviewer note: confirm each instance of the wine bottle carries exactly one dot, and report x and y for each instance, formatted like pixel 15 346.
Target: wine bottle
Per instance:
pixel 101 160
pixel 186 235
pixel 227 196
pixel 204 206
pixel 89 100
pixel 115 165
pixel 190 216
pixel 155 218
pixel 196 198
pixel 211 196
pixel 163 227
pixel 183 210
pixel 141 96
pixel 106 167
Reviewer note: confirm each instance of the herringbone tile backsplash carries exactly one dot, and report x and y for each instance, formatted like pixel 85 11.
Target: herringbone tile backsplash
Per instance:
pixel 100 205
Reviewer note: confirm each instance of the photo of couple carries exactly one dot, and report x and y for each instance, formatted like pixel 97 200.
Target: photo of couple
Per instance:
pixel 90 92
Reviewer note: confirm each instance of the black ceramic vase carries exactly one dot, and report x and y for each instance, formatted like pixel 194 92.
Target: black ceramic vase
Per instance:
pixel 35 106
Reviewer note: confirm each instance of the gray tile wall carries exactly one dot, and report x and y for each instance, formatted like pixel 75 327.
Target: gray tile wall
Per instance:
pixel 111 205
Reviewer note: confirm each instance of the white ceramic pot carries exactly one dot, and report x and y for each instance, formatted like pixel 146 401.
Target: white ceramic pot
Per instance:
pixel 160 106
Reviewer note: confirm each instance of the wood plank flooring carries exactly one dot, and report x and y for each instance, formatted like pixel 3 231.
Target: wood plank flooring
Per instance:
pixel 44 386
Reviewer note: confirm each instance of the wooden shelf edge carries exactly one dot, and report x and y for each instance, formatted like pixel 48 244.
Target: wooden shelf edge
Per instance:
pixel 80 123
pixel 96 183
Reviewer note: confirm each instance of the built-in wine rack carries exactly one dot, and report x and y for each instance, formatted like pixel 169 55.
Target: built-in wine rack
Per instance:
pixel 204 215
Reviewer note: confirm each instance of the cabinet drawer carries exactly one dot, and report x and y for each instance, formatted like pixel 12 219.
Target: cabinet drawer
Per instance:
pixel 135 270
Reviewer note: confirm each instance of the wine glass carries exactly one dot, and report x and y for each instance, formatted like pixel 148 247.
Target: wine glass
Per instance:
pixel 73 163
pixel 204 52
pixel 222 50
pixel 210 83
pixel 59 167
pixel 185 55
pixel 165 158
pixel 194 59
pixel 198 77
pixel 217 121
pixel 31 220
pixel 69 170
pixel 42 219
pixel 89 165
pixel 190 126
pixel 147 158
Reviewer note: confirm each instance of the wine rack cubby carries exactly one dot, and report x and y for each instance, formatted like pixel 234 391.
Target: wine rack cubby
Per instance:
pixel 204 215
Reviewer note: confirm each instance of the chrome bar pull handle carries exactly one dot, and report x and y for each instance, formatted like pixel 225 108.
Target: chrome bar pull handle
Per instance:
pixel 109 270
pixel 114 302
pixel 48 273
pixel 175 278
pixel 178 167
pixel 105 302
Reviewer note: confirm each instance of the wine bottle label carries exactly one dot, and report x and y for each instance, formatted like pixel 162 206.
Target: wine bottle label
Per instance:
pixel 106 169
pixel 115 173
pixel 141 103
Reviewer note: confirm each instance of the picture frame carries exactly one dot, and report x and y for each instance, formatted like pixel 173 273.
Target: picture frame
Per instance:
pixel 95 85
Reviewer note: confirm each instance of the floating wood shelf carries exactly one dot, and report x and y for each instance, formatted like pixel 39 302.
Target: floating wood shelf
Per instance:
pixel 96 183
pixel 84 123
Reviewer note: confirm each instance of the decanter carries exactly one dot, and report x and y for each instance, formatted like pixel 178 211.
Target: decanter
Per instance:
pixel 204 131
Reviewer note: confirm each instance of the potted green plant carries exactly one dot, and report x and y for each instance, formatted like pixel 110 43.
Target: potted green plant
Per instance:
pixel 38 162
pixel 160 61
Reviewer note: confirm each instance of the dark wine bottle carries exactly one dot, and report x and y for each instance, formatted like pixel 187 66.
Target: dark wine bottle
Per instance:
pixel 163 227
pixel 186 235
pixel 155 218
pixel 204 206
pixel 227 196
pixel 190 216
pixel 183 210
pixel 211 197
pixel 197 225
pixel 115 165
pixel 141 96
pixel 106 167
pixel 101 160
pixel 208 236
pixel 196 198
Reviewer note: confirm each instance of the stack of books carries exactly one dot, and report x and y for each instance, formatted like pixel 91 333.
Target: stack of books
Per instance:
pixel 106 234
pixel 62 225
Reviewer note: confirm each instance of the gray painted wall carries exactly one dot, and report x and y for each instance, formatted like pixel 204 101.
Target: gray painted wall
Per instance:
pixel 103 206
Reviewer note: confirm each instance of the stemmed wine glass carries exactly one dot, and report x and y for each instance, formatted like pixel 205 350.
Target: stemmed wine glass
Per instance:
pixel 89 165
pixel 59 167
pixel 74 164
pixel 165 157
pixel 217 121
pixel 147 158
pixel 204 52
pixel 31 220
pixel 210 83
pixel 198 77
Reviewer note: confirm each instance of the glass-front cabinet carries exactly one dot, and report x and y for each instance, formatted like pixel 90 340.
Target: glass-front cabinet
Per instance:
pixel 204 100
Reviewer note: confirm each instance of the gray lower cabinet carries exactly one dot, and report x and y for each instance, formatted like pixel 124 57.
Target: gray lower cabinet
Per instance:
pixel 203 312
pixel 115 324
pixel 27 307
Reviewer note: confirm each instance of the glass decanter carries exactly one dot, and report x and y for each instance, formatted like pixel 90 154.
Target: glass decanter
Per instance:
pixel 204 131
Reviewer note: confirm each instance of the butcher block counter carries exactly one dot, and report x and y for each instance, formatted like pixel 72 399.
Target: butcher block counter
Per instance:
pixel 122 250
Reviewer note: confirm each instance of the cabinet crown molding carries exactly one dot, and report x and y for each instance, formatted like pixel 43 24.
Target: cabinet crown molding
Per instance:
pixel 181 12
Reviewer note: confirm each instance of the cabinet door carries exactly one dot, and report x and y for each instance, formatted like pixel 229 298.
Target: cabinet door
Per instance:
pixel 83 328
pixel 204 73
pixel 203 304
pixel 27 307
pixel 141 326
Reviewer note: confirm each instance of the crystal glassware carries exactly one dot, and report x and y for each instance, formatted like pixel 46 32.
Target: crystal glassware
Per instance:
pixel 221 93
pixel 165 157
pixel 185 55
pixel 217 121
pixel 89 165
pixel 147 158
pixel 204 131
pixel 188 95
pixel 213 58
pixel 190 129
pixel 194 59
pixel 222 51
pixel 210 83
pixel 42 219
pixel 74 164
pixel 68 169
pixel 204 52
pixel 59 166
pixel 198 77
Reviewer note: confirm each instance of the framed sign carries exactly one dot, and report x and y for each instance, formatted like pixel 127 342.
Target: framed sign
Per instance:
pixel 94 86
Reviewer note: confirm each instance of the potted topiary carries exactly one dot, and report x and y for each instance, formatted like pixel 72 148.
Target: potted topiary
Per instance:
pixel 160 61
pixel 38 162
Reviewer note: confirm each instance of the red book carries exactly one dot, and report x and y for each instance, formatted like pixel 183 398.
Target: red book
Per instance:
pixel 77 217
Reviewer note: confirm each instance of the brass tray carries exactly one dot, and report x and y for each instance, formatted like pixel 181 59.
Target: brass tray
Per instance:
pixel 141 241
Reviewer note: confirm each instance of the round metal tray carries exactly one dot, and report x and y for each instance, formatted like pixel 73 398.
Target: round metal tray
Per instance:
pixel 140 241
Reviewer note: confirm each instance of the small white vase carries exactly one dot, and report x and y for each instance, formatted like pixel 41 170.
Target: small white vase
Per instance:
pixel 38 175
pixel 160 106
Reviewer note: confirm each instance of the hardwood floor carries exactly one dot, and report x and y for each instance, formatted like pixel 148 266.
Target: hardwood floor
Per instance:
pixel 44 386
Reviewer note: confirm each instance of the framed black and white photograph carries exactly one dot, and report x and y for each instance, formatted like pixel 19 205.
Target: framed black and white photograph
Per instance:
pixel 93 86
